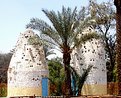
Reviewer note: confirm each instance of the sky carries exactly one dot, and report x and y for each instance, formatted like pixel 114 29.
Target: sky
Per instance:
pixel 16 14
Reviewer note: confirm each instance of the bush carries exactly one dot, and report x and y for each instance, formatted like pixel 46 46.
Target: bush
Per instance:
pixel 3 90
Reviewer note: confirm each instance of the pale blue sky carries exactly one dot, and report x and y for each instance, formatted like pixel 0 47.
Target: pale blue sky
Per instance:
pixel 15 14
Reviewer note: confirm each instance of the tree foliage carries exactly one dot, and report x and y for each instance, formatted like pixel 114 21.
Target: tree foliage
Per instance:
pixel 35 40
pixel 4 63
pixel 56 76
pixel 104 16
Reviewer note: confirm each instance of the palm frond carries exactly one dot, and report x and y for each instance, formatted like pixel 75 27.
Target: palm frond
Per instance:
pixel 52 16
pixel 64 22
pixel 84 77
pixel 85 37
pixel 66 26
pixel 79 80
pixel 45 29
pixel 35 40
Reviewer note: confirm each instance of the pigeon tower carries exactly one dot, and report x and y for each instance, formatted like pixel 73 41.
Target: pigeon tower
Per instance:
pixel 27 66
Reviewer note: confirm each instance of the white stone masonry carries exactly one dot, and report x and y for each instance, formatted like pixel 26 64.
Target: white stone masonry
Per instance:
pixel 27 66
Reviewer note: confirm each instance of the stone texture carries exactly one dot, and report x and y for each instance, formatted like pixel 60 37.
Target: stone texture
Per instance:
pixel 27 66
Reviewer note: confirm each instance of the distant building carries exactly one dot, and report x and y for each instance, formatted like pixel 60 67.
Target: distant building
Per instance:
pixel 91 53
pixel 28 69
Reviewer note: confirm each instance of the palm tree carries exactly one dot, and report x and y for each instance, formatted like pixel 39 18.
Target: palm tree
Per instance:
pixel 63 32
pixel 117 3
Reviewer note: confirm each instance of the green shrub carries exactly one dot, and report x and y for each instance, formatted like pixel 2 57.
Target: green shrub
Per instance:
pixel 3 90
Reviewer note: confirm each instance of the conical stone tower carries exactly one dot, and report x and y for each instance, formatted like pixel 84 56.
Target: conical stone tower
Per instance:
pixel 27 66
pixel 92 53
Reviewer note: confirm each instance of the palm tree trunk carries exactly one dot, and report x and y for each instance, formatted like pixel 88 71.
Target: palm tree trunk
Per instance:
pixel 117 3
pixel 66 61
